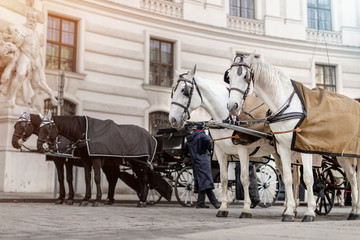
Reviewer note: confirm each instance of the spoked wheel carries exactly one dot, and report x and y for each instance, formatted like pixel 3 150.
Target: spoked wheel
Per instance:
pixel 268 184
pixel 218 189
pixel 153 197
pixel 184 187
pixel 324 191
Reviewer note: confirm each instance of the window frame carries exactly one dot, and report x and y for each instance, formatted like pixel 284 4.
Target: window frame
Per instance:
pixel 63 111
pixel 60 44
pixel 153 118
pixel 159 63
pixel 318 9
pixel 323 84
pixel 239 8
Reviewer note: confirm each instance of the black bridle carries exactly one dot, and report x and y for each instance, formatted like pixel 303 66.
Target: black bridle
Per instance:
pixel 48 140
pixel 279 115
pixel 188 92
pixel 28 124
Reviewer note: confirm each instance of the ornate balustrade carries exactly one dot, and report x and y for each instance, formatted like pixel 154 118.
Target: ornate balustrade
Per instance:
pixel 324 36
pixel 246 25
pixel 163 7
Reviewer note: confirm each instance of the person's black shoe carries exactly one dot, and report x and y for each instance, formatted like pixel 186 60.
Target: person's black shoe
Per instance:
pixel 202 206
pixel 254 203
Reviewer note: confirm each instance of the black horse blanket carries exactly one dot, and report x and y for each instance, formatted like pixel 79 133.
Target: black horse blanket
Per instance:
pixel 332 124
pixel 106 138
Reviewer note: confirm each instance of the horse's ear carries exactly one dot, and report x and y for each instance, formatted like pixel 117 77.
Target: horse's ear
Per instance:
pixel 176 74
pixel 49 116
pixel 192 72
pixel 27 114
pixel 250 58
pixel 42 117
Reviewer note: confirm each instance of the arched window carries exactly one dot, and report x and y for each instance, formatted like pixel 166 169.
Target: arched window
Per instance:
pixel 67 109
pixel 158 120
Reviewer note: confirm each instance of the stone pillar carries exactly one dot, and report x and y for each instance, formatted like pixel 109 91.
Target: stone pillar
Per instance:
pixel 20 67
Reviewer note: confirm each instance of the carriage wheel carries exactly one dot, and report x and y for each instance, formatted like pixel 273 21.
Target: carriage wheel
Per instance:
pixel 268 184
pixel 218 189
pixel 184 187
pixel 326 195
pixel 153 197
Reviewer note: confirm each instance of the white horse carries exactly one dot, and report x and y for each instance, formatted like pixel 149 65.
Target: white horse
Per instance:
pixel 276 90
pixel 190 93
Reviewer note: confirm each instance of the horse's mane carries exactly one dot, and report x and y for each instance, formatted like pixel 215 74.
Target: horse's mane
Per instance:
pixel 268 75
pixel 71 127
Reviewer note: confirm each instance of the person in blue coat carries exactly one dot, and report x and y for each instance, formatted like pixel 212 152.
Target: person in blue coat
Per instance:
pixel 198 144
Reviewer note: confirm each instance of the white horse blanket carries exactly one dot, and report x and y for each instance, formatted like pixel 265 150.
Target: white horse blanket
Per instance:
pixel 332 124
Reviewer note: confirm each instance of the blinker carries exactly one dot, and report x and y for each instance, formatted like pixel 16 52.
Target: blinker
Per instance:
pixel 226 77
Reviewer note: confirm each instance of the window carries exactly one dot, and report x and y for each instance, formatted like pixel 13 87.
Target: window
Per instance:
pixel 161 63
pixel 319 14
pixel 242 8
pixel 325 77
pixel 61 44
pixel 158 120
pixel 67 109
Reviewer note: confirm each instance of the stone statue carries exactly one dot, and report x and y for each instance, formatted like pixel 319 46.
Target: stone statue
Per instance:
pixel 21 62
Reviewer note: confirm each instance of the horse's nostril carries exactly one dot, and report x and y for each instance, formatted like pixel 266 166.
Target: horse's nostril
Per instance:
pixel 236 106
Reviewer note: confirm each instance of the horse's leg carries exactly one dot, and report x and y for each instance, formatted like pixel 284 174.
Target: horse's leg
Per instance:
pixel 69 179
pixel 357 215
pixel 245 181
pixel 285 154
pixel 59 164
pixel 137 169
pixel 221 157
pixel 351 176
pixel 87 169
pixel 295 175
pixel 97 163
pixel 112 174
pixel 309 181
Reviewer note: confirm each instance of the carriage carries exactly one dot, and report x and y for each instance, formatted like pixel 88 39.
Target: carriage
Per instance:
pixel 174 164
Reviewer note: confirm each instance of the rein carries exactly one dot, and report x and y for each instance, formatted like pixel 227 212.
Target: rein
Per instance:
pixel 186 93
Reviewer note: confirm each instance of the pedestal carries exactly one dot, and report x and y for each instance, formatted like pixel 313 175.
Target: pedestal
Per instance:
pixel 21 171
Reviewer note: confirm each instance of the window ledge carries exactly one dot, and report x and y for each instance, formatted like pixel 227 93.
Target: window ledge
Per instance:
pixel 155 88
pixel 75 75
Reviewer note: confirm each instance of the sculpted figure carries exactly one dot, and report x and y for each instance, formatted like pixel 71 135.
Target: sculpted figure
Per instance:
pixel 24 69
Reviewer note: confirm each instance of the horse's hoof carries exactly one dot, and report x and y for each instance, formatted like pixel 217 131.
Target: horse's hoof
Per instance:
pixel 308 218
pixel 141 205
pixel 288 218
pixel 59 201
pixel 245 215
pixel 222 213
pixel 351 216
pixel 83 203
pixel 69 202
pixel 97 204
pixel 109 201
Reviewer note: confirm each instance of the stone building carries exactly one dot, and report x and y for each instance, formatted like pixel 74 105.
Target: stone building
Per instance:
pixel 120 56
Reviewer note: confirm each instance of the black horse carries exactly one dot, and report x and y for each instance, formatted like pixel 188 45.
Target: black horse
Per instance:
pixel 27 125
pixel 79 128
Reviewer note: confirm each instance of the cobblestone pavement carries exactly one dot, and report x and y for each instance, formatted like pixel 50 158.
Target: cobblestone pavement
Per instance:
pixel 21 219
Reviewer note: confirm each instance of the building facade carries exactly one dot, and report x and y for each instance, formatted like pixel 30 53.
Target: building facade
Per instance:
pixel 120 57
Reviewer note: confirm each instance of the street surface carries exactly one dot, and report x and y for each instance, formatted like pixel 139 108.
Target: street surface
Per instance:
pixel 34 219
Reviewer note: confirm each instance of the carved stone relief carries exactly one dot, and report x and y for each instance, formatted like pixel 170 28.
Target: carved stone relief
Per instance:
pixel 21 65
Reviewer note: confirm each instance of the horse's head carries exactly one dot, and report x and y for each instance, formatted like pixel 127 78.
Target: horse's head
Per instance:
pixel 240 78
pixel 184 101
pixel 48 132
pixel 22 130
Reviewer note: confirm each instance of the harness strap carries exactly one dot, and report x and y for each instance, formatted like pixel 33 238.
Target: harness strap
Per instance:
pixel 289 131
